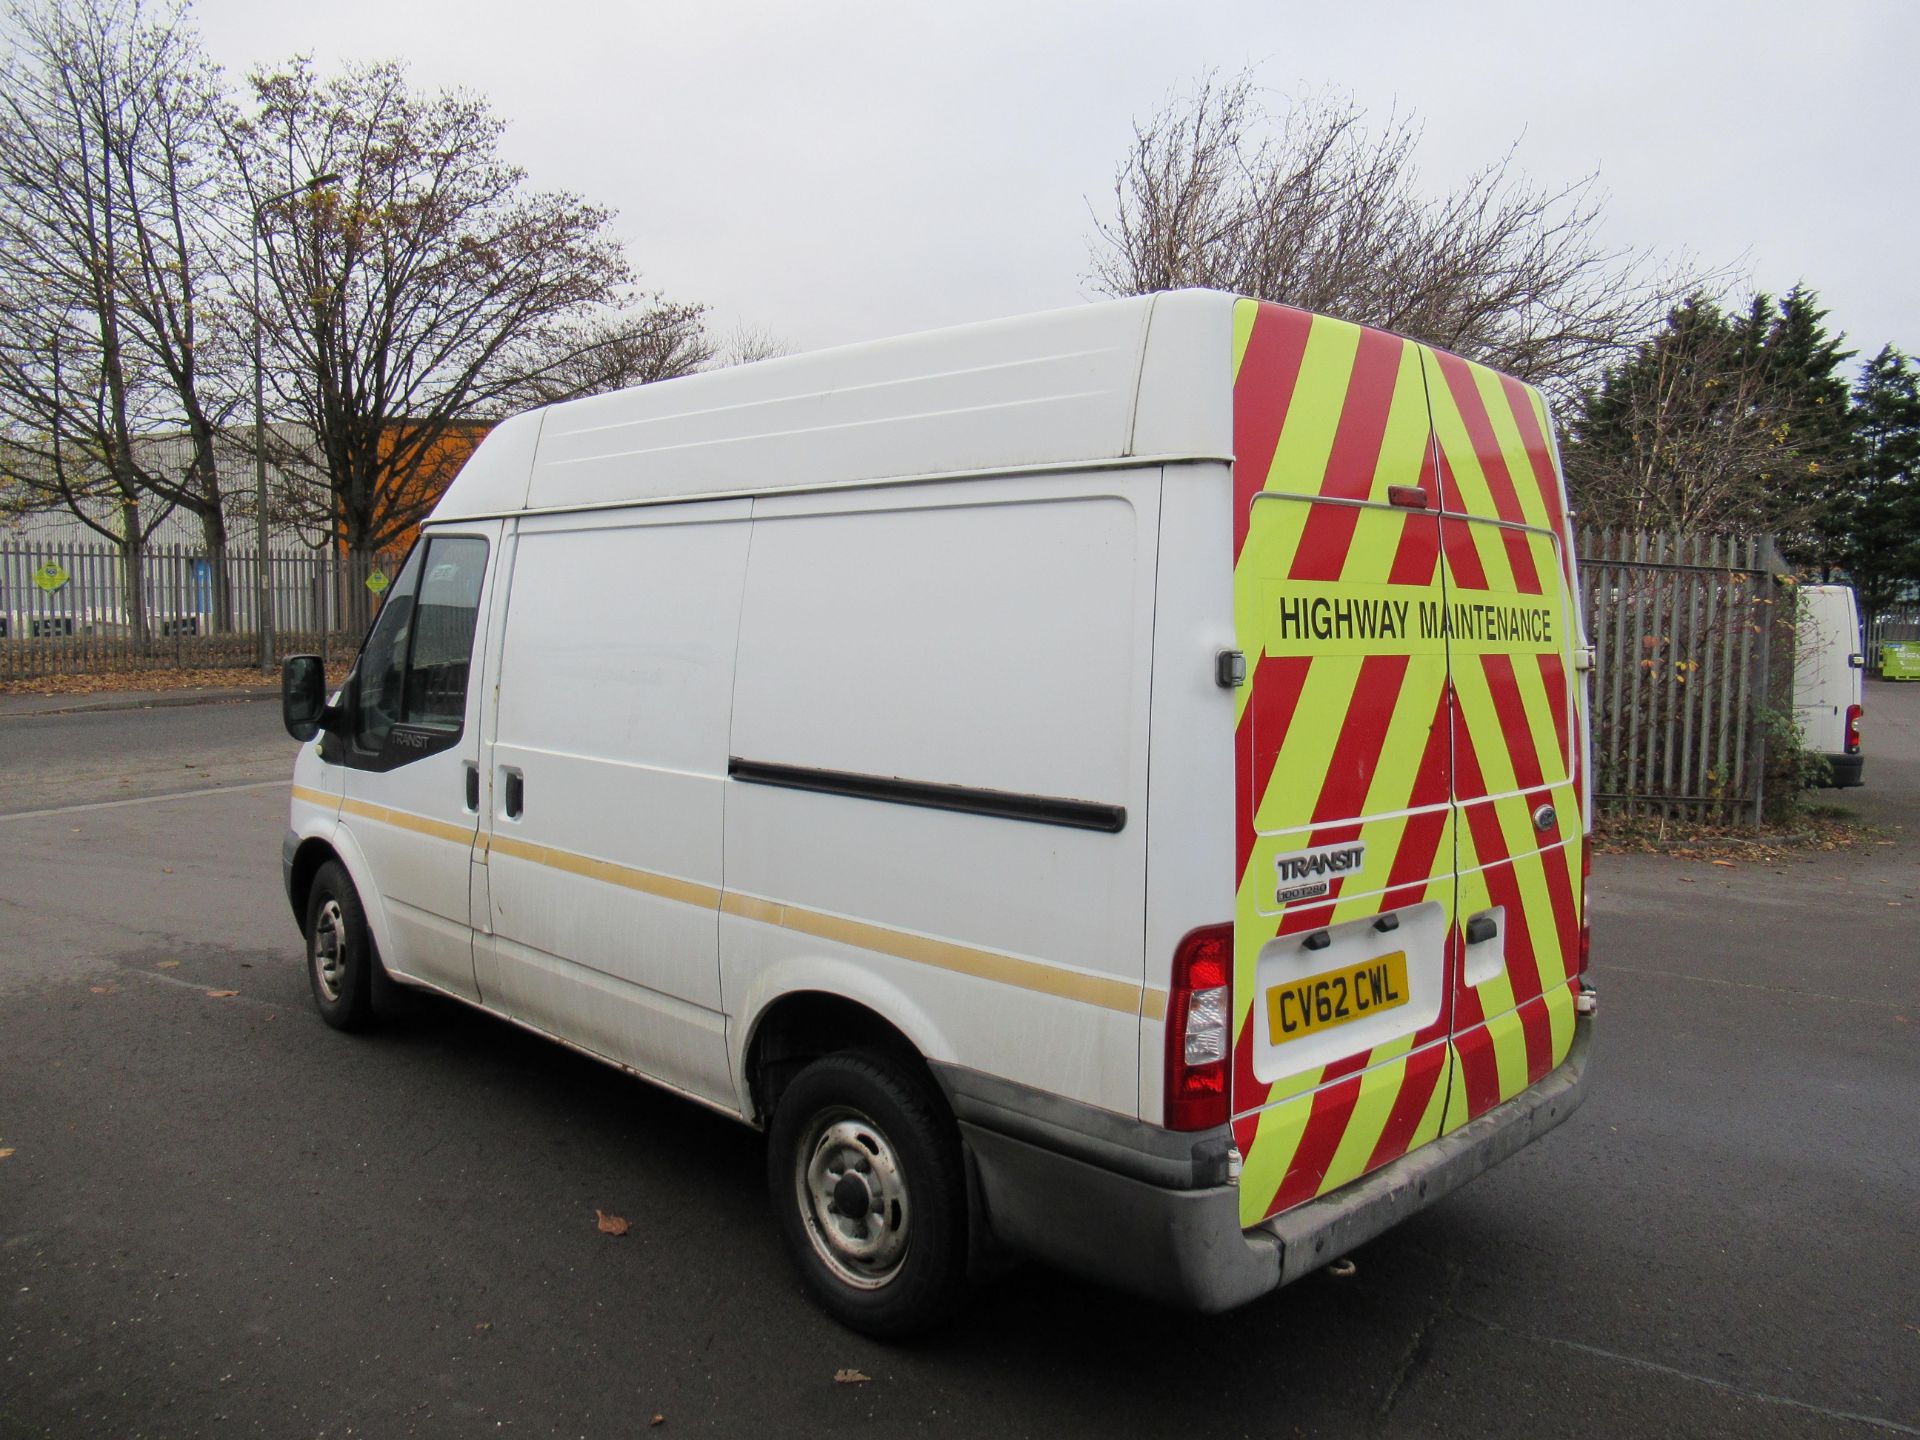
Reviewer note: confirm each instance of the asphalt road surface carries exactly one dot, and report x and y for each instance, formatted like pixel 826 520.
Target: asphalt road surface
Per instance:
pixel 219 1217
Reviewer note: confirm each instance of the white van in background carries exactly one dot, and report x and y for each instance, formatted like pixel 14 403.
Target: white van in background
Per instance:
pixel 1108 785
pixel 1828 667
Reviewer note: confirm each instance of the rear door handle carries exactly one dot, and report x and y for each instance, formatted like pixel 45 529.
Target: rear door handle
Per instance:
pixel 516 794
pixel 1481 928
pixel 473 787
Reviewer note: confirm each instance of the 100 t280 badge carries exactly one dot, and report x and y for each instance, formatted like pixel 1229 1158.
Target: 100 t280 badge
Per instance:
pixel 1309 874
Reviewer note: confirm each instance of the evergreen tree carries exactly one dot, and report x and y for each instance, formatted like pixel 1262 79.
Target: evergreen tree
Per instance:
pixel 1881 540
pixel 1722 422
pixel 1820 448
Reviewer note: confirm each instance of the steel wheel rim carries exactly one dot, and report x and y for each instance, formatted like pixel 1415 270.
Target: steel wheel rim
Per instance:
pixel 329 950
pixel 843 1157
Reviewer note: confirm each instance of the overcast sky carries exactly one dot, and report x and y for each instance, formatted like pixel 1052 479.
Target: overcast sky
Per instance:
pixel 839 171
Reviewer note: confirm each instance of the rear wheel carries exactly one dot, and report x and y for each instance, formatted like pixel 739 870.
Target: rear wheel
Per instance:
pixel 340 958
pixel 869 1189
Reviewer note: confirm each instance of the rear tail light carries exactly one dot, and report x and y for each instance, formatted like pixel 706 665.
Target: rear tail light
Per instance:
pixel 1200 1030
pixel 1854 712
pixel 1586 916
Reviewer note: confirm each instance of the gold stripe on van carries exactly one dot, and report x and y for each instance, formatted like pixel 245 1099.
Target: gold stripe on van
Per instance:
pixel 625 876
pixel 406 820
pixel 941 954
pixel 315 797
pixel 1033 975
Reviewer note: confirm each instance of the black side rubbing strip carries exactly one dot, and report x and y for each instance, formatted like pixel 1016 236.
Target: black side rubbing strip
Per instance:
pixel 1006 804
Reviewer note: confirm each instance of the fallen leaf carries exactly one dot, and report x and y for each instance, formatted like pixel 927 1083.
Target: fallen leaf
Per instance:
pixel 221 994
pixel 850 1377
pixel 658 1420
pixel 101 989
pixel 166 870
pixel 483 1325
pixel 610 1224
pixel 168 965
pixel 1728 863
pixel 5 1151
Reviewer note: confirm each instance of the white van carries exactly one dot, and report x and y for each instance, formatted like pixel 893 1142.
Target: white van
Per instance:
pixel 1829 667
pixel 1107 786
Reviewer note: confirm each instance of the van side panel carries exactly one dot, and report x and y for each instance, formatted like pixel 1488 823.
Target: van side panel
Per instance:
pixel 1344 925
pixel 1190 837
pixel 1516 732
pixel 616 683
pixel 989 636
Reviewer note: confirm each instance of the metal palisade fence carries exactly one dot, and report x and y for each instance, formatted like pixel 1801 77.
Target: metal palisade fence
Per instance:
pixel 1692 651
pixel 71 609
pixel 1898 622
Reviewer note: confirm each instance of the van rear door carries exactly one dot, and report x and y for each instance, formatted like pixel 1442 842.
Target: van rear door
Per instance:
pixel 1343 758
pixel 1512 630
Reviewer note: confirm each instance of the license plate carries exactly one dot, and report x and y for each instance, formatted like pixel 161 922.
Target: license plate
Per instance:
pixel 1338 997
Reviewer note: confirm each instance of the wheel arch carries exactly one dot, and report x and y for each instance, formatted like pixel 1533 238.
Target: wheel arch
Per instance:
pixel 315 850
pixel 801 1025
pixel 311 854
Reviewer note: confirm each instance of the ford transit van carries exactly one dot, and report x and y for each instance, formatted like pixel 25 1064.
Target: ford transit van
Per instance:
pixel 1107 786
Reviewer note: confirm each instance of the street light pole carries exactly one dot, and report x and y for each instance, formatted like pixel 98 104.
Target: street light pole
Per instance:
pixel 263 603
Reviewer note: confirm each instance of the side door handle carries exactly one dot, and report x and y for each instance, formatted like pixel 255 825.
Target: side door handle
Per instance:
pixel 516 794
pixel 1482 928
pixel 473 787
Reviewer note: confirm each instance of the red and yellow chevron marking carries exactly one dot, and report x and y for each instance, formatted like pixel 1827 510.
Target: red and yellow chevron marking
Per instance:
pixel 1346 737
pixel 1515 734
pixel 1340 738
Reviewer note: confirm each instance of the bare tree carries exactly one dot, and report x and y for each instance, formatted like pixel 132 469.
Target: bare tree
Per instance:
pixel 747 343
pixel 112 328
pixel 1313 209
pixel 429 289
pixel 611 353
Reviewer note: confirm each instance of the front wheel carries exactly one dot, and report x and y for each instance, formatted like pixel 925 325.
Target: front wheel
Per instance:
pixel 340 957
pixel 869 1189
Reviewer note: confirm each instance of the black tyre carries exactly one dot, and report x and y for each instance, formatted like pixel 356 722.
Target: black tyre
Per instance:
pixel 340 955
pixel 869 1191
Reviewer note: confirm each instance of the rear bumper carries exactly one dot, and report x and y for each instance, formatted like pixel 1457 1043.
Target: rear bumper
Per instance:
pixel 1185 1247
pixel 1848 770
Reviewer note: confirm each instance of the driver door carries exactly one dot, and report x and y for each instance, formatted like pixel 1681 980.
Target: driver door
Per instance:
pixel 412 797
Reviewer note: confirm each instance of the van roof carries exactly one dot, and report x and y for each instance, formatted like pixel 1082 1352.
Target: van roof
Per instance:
pixel 1137 381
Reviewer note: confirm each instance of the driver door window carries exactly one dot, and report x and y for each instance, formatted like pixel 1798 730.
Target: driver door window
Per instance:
pixel 412 699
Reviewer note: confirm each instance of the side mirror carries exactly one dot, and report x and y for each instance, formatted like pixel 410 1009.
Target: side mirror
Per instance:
pixel 1857 661
pixel 303 696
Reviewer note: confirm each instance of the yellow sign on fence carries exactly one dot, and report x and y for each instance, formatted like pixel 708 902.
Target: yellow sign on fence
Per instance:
pixel 51 576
